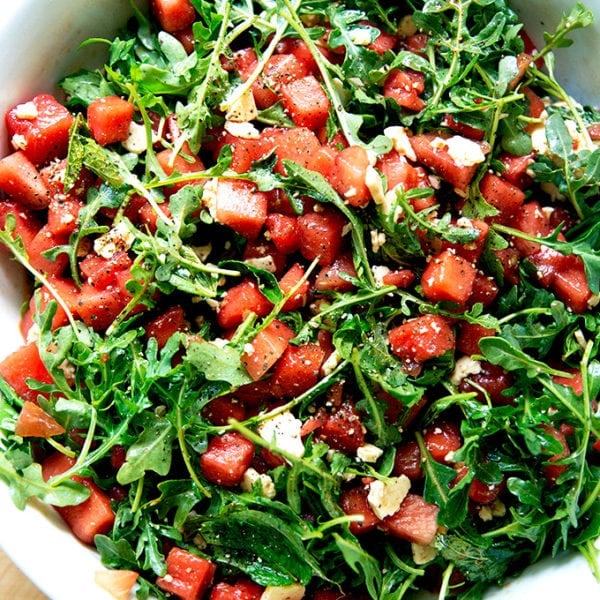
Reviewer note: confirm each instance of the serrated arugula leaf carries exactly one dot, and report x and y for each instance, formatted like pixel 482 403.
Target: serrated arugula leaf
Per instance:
pixel 151 451
pixel 262 545
pixel 218 362
pixel 480 562
pixel 30 484
pixel 361 563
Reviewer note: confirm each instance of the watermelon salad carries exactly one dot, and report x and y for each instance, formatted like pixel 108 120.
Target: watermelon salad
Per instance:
pixel 312 303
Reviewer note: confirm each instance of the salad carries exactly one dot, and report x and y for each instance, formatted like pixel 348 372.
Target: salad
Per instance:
pixel 313 301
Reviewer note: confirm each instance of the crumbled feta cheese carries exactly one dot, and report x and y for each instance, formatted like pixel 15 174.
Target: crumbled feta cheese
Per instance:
pixel 379 272
pixel 243 130
pixel 266 263
pixel 538 135
pixel 136 138
pixel 538 139
pixel 18 141
pixel 372 157
pixel 209 196
pixel 449 457
pixel 369 453
pixel 117 239
pixel 240 108
pixel 385 497
pixel 400 141
pixel 498 508
pixel 360 37
pixel 581 141
pixel 463 151
pixel 390 205
pixel 350 192
pixel 202 252
pixel 251 476
pixel 378 239
pixel 346 229
pixel 283 431
pixel 374 185
pixel 283 592
pixel 27 111
pixel 33 333
pixel 330 363
pixel 423 554
pixel 464 367
pixel 593 301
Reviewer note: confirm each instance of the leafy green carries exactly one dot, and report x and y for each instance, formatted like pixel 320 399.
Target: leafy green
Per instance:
pixel 144 399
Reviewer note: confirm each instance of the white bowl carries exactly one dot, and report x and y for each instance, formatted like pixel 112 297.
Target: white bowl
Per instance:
pixel 38 45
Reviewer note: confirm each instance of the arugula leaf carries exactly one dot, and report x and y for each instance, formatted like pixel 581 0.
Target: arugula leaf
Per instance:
pixel 218 362
pixel 150 452
pixel 478 562
pixel 501 352
pixel 361 563
pixel 30 484
pixel 262 545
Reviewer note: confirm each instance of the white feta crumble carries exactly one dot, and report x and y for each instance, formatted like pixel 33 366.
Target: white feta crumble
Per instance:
pixel 240 108
pixel 27 111
pixel 117 239
pixel 407 26
pixel 266 263
pixel 378 239
pixel 369 453
pixel 360 37
pixel 374 185
pixel 209 196
pixel 330 363
pixel 593 301
pixel 463 151
pixel 385 497
pixel 283 431
pixel 464 367
pixel 423 554
pixel 251 476
pixel 202 252
pixel 283 592
pixel 346 229
pixel 243 130
pixel 33 333
pixel 18 141
pixel 379 272
pixel 538 135
pixel 136 141
pixel 400 141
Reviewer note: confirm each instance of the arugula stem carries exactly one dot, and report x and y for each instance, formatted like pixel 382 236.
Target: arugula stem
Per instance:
pixel 446 581
pixel 345 303
pixel 186 455
pixel 324 69
pixel 590 553
pixel 135 505
pixel 426 461
pixel 374 413
pixel 20 256
pixel 290 458
pixel 246 86
pixel 455 46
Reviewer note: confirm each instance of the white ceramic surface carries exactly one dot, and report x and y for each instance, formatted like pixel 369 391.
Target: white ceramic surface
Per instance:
pixel 38 44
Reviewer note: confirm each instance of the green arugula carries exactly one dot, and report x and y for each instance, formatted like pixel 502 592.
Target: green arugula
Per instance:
pixel 119 391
